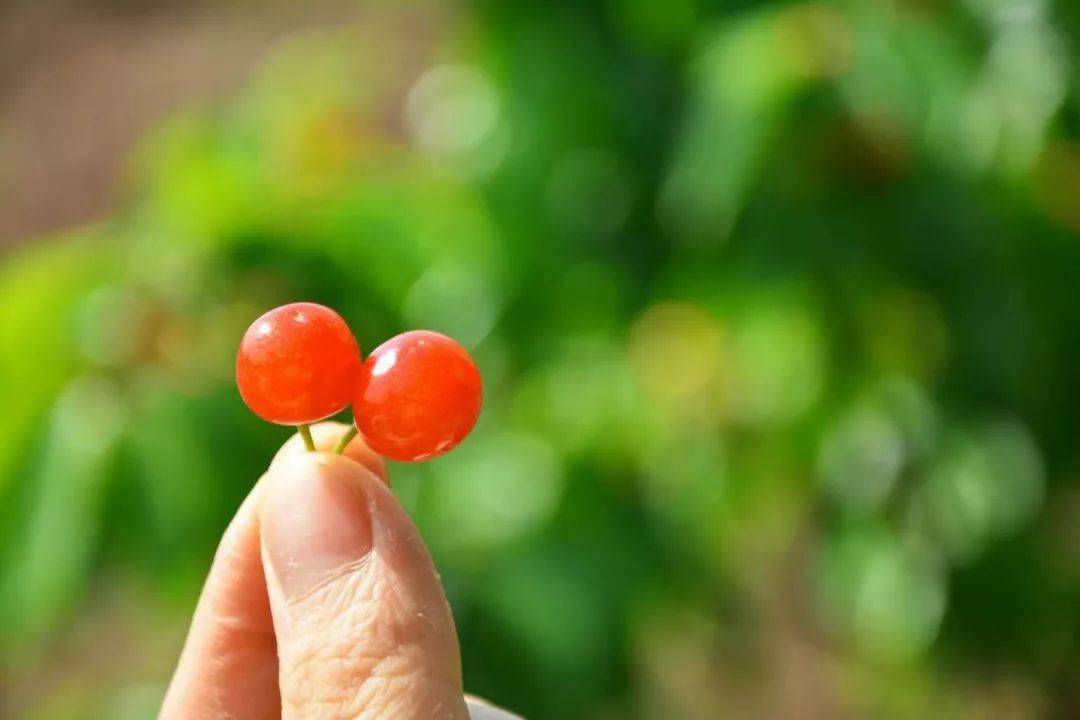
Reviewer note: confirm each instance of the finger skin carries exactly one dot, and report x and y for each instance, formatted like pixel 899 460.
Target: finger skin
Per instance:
pixel 364 630
pixel 229 667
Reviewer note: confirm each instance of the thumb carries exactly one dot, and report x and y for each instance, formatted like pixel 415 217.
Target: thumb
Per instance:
pixel 362 624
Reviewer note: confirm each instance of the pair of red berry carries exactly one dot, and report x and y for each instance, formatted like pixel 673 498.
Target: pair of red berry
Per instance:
pixel 415 397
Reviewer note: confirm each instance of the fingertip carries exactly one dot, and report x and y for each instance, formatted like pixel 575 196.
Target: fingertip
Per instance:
pixel 327 435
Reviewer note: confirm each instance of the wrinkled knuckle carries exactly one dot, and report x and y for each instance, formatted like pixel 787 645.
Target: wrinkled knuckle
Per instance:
pixel 365 653
pixel 323 685
pixel 339 681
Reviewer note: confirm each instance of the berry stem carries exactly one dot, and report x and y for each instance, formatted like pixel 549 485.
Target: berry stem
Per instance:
pixel 345 440
pixel 305 433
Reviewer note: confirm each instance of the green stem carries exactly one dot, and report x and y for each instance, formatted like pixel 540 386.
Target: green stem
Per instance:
pixel 305 432
pixel 345 440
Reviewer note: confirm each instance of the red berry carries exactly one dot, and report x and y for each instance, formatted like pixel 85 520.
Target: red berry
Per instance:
pixel 297 364
pixel 419 396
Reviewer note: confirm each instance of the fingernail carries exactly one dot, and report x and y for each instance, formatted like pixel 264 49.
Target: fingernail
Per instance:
pixel 315 520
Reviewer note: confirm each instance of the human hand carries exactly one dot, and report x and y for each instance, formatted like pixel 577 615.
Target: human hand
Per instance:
pixel 322 602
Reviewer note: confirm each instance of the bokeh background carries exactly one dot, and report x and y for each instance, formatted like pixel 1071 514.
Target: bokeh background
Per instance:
pixel 777 305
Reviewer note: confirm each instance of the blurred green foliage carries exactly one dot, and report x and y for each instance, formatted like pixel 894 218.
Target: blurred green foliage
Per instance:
pixel 776 306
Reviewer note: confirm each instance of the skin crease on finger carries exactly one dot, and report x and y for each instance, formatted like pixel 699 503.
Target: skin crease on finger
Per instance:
pixel 364 629
pixel 360 649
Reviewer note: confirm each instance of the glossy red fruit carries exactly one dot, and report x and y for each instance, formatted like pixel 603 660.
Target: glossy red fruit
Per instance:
pixel 419 396
pixel 297 364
